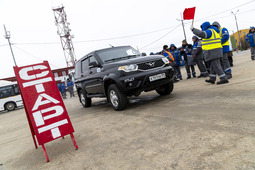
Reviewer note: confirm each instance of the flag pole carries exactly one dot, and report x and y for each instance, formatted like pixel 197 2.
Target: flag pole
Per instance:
pixel 183 27
pixel 192 22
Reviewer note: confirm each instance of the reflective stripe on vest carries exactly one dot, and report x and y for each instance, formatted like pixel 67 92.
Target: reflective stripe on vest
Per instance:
pixel 213 42
pixel 170 56
pixel 227 42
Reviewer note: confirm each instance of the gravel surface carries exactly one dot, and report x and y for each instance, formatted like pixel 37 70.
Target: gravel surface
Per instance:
pixel 198 126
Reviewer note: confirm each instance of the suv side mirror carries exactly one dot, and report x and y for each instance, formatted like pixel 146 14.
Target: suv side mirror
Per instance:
pixel 93 64
pixel 143 54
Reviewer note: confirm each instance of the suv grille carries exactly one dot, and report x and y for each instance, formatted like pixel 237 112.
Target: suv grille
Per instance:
pixel 150 65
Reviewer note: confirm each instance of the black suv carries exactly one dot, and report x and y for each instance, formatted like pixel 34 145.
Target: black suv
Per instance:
pixel 119 72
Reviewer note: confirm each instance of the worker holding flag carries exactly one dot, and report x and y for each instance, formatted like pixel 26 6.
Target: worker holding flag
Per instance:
pixel 212 50
pixel 211 46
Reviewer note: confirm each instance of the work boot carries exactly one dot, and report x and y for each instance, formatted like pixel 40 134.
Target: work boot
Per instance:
pixel 222 82
pixel 201 75
pixel 206 75
pixel 175 81
pixel 229 76
pixel 210 81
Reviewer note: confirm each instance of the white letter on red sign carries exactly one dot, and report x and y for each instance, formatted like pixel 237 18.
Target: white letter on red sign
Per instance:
pixel 54 128
pixel 39 119
pixel 39 101
pixel 23 73
pixel 37 83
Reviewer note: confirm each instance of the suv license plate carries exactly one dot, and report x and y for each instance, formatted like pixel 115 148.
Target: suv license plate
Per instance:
pixel 157 77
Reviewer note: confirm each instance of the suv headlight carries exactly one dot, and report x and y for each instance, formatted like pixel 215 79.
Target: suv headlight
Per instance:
pixel 165 60
pixel 129 68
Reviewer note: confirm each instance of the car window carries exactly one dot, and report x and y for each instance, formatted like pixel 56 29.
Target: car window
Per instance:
pixel 78 68
pixel 16 89
pixel 6 92
pixel 84 65
pixel 92 59
pixel 114 54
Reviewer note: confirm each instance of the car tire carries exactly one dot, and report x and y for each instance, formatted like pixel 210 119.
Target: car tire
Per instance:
pixel 85 101
pixel 166 89
pixel 10 106
pixel 117 98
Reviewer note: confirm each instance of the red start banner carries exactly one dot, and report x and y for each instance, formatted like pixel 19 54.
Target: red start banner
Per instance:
pixel 45 109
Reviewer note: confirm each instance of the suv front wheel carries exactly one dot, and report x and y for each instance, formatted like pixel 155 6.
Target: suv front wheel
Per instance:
pixel 117 98
pixel 165 89
pixel 85 101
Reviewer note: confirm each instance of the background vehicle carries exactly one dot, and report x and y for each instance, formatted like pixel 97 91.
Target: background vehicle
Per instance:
pixel 119 72
pixel 10 97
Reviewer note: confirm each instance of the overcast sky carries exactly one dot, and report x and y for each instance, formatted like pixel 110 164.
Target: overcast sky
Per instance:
pixel 140 23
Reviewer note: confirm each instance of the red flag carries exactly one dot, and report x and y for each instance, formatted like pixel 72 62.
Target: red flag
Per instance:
pixel 189 13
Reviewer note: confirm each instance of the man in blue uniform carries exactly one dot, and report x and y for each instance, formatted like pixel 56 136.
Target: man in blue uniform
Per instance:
pixel 70 86
pixel 198 56
pixel 172 63
pixel 225 44
pixel 62 89
pixel 186 52
pixel 176 54
pixel 212 50
pixel 250 37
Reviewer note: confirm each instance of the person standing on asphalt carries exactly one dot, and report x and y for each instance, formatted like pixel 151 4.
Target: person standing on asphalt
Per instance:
pixel 230 55
pixel 225 45
pixel 176 54
pixel 186 51
pixel 62 89
pixel 169 56
pixel 70 87
pixel 212 50
pixel 198 56
pixel 250 37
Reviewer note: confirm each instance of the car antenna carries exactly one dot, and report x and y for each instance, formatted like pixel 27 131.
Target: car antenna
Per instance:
pixel 111 45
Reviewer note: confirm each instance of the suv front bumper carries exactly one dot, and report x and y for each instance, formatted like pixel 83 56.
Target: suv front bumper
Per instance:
pixel 139 81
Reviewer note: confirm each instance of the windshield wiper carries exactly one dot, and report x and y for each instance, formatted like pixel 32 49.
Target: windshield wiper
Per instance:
pixel 129 56
pixel 113 59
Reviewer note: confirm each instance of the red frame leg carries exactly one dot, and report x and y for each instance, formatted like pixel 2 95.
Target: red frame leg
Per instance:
pixel 74 142
pixel 34 141
pixel 45 153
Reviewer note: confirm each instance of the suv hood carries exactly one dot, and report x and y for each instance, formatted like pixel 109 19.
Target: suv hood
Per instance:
pixel 136 60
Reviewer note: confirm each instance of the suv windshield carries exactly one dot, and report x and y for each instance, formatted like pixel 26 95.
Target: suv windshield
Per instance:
pixel 114 54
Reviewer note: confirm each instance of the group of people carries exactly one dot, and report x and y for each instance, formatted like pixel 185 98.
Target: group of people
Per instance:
pixel 63 88
pixel 188 55
pixel 210 52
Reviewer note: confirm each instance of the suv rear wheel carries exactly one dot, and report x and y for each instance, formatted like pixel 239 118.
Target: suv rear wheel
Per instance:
pixel 165 89
pixel 117 98
pixel 85 101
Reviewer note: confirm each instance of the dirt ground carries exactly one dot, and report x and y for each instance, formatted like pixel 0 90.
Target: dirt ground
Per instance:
pixel 198 126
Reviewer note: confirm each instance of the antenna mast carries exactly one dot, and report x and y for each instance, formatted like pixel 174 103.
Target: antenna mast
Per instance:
pixel 64 33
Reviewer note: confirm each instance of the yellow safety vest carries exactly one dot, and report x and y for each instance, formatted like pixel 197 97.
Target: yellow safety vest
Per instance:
pixel 227 42
pixel 213 42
